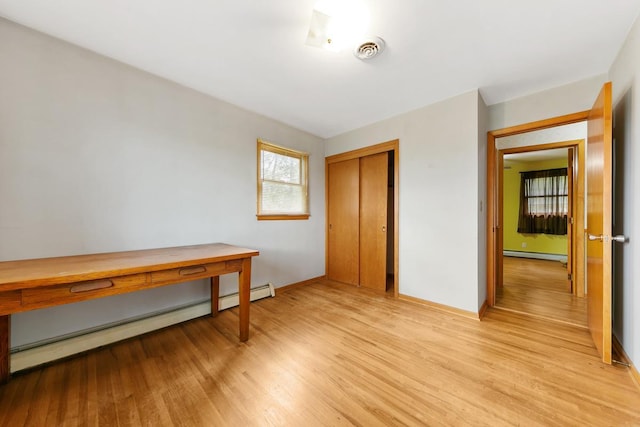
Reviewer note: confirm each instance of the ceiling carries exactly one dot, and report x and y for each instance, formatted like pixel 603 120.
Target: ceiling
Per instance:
pixel 251 53
pixel 537 156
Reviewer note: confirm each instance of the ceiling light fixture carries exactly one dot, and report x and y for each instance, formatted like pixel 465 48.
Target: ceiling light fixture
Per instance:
pixel 337 24
pixel 320 31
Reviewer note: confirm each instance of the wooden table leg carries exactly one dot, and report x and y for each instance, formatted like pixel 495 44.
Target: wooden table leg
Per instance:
pixel 244 294
pixel 215 295
pixel 5 331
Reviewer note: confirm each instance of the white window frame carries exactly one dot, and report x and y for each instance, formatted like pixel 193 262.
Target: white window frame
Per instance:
pixel 304 182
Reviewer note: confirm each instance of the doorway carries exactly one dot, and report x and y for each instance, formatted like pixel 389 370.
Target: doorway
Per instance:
pixel 494 214
pixel 564 284
pixel 540 188
pixel 596 252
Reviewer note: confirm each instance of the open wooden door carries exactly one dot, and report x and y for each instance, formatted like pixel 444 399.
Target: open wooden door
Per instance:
pixel 598 227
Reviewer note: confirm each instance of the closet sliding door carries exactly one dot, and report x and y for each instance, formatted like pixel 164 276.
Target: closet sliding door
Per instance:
pixel 343 216
pixel 357 217
pixel 374 178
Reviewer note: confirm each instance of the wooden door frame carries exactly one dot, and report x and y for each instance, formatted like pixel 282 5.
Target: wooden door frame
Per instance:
pixel 571 206
pixel 394 146
pixel 494 193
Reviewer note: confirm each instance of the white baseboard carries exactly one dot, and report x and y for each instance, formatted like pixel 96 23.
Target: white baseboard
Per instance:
pixel 536 255
pixel 49 350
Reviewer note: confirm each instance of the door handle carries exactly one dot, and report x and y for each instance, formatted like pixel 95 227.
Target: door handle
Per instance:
pixel 384 229
pixel 619 238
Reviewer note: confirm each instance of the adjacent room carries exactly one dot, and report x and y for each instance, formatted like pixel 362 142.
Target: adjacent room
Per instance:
pixel 319 213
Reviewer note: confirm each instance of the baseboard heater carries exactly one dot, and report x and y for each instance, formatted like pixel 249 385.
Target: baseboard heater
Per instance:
pixel 44 351
pixel 536 255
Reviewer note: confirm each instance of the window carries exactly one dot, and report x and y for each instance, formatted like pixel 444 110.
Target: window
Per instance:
pixel 282 183
pixel 544 202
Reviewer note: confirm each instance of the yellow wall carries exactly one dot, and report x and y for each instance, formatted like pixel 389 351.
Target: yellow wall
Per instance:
pixel 514 241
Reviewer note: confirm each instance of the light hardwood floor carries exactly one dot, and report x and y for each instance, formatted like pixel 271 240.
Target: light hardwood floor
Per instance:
pixel 540 287
pixel 330 354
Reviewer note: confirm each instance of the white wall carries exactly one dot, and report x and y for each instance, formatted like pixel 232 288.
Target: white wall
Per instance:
pixel 563 133
pixel 567 99
pixel 625 77
pixel 483 128
pixel 97 156
pixel 439 197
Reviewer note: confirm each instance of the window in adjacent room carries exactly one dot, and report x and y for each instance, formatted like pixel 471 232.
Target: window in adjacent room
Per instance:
pixel 544 202
pixel 282 183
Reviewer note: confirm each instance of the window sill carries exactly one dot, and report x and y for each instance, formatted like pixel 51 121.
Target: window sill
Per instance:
pixel 282 217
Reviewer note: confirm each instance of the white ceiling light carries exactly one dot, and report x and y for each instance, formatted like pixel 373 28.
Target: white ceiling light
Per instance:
pixel 319 31
pixel 337 24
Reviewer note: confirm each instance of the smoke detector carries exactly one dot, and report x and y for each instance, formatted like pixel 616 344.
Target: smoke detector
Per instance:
pixel 369 48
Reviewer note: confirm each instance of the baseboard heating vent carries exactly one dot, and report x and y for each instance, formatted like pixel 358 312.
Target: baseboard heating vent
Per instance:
pixel 536 255
pixel 45 351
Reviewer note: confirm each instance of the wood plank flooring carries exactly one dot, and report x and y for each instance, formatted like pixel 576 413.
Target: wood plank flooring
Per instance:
pixel 540 287
pixel 331 355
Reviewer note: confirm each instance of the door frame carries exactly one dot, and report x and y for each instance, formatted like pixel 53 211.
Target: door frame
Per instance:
pixel 494 193
pixel 394 146
pixel 571 211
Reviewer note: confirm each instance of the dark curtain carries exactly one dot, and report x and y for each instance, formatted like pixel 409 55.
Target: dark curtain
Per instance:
pixel 543 202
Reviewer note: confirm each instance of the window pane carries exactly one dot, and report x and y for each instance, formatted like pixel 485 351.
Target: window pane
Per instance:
pixel 282 182
pixel 547 195
pixel 282 198
pixel 277 167
pixel 548 205
pixel 550 186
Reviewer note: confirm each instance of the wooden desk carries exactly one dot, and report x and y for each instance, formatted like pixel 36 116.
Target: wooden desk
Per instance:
pixel 38 283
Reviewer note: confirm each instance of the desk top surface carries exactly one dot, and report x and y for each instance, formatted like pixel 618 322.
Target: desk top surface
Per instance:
pixel 31 273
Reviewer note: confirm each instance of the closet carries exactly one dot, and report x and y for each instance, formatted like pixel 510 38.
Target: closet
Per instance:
pixel 360 220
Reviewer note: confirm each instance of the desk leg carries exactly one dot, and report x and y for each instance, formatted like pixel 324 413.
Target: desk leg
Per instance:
pixel 215 295
pixel 5 331
pixel 244 294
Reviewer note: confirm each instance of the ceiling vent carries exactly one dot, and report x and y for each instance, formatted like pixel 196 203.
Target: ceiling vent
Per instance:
pixel 369 48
